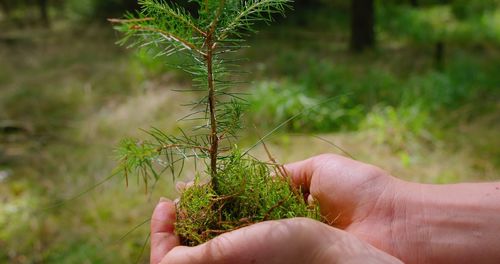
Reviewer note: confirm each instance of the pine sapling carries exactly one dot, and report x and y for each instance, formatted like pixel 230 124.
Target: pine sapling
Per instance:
pixel 241 190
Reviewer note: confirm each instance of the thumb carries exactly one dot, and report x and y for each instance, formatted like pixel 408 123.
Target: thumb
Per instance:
pixel 325 165
pixel 259 243
pixel 163 238
pixel 301 173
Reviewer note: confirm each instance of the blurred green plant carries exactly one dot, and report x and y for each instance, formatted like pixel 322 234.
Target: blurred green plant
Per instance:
pixel 272 102
pixel 462 22
pixel 464 9
pixel 400 127
pixel 97 9
pixel 359 89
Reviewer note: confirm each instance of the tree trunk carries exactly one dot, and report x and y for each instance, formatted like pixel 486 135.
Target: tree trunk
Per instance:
pixel 44 14
pixel 439 50
pixel 5 7
pixel 362 25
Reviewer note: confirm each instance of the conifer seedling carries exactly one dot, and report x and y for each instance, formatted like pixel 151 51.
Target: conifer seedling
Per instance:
pixel 241 190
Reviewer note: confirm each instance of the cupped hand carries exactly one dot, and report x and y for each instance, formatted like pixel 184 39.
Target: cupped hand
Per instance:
pixel 354 196
pixel 298 240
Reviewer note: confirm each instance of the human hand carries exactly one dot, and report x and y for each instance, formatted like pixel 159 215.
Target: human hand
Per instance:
pixel 352 195
pixel 298 240
pixel 417 223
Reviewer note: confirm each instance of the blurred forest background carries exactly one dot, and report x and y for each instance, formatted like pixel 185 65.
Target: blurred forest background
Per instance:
pixel 417 85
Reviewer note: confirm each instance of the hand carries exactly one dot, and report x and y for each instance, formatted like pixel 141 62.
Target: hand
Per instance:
pixel 417 223
pixel 353 196
pixel 298 240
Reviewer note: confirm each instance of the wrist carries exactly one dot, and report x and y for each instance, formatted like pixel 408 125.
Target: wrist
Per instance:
pixel 446 223
pixel 410 227
pixel 384 223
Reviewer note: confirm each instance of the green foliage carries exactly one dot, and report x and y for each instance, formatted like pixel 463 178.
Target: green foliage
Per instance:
pixel 273 102
pixel 175 30
pixel 149 64
pixel 398 75
pixel 464 9
pixel 400 127
pixel 78 251
pixel 100 9
pixel 204 40
pixel 443 22
pixel 462 83
pixel 16 211
pixel 422 24
pixel 437 90
pixel 60 94
pixel 247 195
pixel 151 158
pixel 62 107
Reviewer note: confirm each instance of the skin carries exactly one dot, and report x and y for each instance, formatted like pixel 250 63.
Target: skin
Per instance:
pixel 417 223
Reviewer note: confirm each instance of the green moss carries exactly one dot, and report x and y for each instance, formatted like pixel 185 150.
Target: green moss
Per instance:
pixel 247 194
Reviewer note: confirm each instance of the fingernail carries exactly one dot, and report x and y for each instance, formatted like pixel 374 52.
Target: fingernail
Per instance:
pixel 163 199
pixel 310 200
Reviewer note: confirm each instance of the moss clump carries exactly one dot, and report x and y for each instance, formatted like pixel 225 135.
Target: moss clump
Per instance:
pixel 247 194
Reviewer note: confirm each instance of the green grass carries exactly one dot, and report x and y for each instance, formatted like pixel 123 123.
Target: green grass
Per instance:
pixel 76 99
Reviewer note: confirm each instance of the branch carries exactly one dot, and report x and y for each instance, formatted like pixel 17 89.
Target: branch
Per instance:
pixel 132 20
pixel 169 35
pixel 257 6
pixel 213 25
pixel 183 146
pixel 268 214
pixel 183 19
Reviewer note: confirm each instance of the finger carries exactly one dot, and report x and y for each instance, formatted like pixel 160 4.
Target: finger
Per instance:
pixel 301 173
pixel 259 243
pixel 180 186
pixel 163 238
pixel 305 241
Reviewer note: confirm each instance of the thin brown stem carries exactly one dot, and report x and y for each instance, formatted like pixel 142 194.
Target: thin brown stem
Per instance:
pixel 213 25
pixel 132 20
pixel 268 214
pixel 214 140
pixel 183 146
